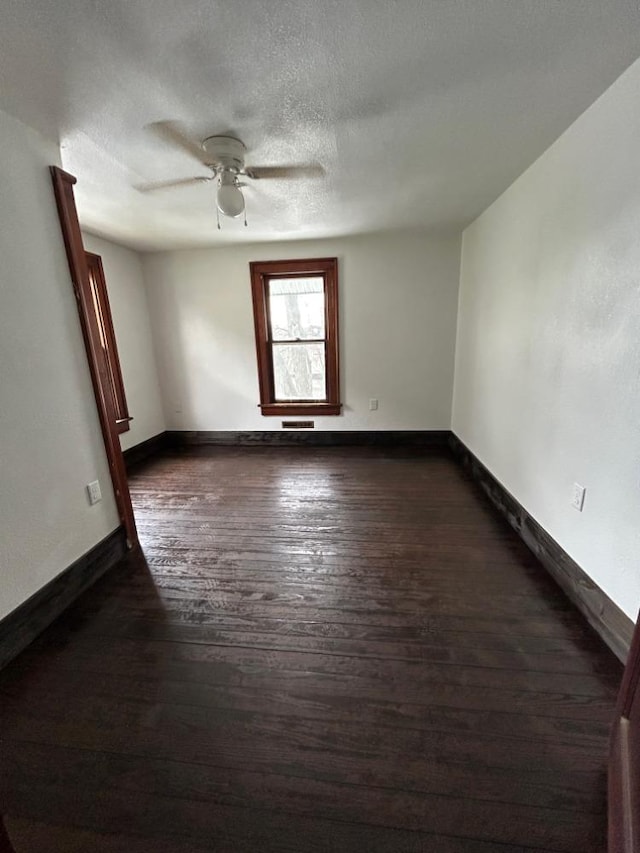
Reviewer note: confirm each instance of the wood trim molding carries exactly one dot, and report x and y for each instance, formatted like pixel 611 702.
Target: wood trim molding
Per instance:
pixel 63 189
pixel 624 760
pixel 29 619
pixel 604 616
pixel 622 802
pixel 416 439
pixel 97 277
pixel 145 450
pixel 287 410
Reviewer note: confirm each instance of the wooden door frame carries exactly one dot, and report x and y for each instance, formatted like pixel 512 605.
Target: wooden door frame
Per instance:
pixel 624 759
pixel 105 320
pixel 65 201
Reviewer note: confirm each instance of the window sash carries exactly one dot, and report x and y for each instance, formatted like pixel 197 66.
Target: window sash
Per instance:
pixel 276 398
pixel 276 342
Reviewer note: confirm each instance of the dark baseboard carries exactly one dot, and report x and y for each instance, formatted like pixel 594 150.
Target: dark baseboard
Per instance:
pixel 415 439
pixel 613 626
pixel 140 453
pixel 29 619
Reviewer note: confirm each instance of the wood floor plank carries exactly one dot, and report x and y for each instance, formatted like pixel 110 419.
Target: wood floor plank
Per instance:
pixel 284 742
pixel 214 664
pixel 445 647
pixel 323 649
pixel 454 816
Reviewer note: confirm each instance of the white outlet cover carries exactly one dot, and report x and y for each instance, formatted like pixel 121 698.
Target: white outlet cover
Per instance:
pixel 577 496
pixel 373 404
pixel 94 492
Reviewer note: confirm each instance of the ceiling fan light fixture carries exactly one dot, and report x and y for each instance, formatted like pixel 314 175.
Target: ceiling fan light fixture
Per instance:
pixel 224 157
pixel 230 199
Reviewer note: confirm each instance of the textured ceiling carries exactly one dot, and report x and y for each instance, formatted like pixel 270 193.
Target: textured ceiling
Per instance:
pixel 420 111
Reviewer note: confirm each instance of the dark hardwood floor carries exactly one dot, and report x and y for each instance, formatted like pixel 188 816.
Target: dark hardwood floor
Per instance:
pixel 324 650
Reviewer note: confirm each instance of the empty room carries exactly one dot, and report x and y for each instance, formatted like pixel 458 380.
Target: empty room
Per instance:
pixel 319 426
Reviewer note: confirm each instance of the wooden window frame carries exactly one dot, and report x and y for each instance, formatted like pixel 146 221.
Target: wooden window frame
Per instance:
pixel 261 273
pixel 105 322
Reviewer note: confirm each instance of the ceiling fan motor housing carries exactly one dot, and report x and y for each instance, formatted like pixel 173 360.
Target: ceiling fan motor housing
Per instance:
pixel 226 152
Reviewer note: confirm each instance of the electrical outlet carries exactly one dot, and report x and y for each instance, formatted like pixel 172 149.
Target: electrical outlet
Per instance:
pixel 577 496
pixel 93 490
pixel 373 404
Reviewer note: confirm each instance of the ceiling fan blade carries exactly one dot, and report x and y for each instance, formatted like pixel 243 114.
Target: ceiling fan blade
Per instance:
pixel 308 170
pixel 172 133
pixel 168 185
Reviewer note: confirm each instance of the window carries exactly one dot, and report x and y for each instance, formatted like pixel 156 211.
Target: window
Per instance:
pixel 295 307
pixel 108 339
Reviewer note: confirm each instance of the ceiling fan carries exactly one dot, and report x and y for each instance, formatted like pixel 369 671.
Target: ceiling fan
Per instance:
pixel 224 156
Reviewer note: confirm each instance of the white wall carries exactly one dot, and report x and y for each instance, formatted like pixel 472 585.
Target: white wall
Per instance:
pixel 130 314
pixel 50 439
pixel 398 302
pixel 547 387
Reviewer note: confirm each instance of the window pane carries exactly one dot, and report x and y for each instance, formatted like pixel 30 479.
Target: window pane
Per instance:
pixel 299 372
pixel 296 308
